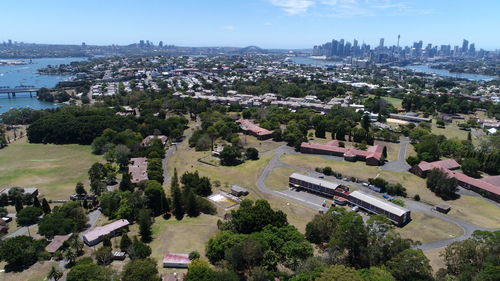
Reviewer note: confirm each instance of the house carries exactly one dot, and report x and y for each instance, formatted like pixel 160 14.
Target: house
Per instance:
pixel 176 261
pixel 248 127
pixel 95 236
pixel 138 169
pixel 372 156
pixel 147 140
pixel 397 214
pixel 238 191
pixel 57 242
pixel 423 167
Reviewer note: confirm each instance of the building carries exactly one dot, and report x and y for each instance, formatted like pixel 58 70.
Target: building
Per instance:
pixel 95 236
pixel 422 168
pixel 248 127
pixel 397 214
pixel 315 185
pixel 31 191
pixel 372 156
pixel 147 140
pixel 57 242
pixel 138 169
pixel 238 191
pixel 176 261
pixel 410 118
pixel 488 187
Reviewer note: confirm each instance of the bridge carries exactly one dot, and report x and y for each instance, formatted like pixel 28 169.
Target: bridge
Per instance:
pixel 19 89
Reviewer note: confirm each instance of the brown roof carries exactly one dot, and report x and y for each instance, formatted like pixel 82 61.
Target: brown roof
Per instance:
pixel 374 151
pixel 449 164
pixel 478 183
pixel 494 180
pixel 250 126
pixel 148 139
pixel 57 242
pixel 138 169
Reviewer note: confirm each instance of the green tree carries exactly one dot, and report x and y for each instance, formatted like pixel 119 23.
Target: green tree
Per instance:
pixel 103 256
pixel 36 202
pixel 90 272
pixel 192 208
pixel 375 274
pixel 339 273
pixel 471 167
pixel 410 265
pixel 97 175
pixel 18 204
pixel 80 189
pixel 45 206
pixel 55 224
pixel 252 153
pixel 177 204
pixel 126 182
pixel 21 251
pixel 351 235
pixel 194 255
pixel 55 274
pixel 138 250
pixel 144 220
pixel 230 156
pixel 252 217
pixel 125 242
pixel 141 269
pixel 155 198
pixel 28 216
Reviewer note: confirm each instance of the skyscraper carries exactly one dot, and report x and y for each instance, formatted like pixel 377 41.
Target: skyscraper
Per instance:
pixel 465 46
pixel 381 44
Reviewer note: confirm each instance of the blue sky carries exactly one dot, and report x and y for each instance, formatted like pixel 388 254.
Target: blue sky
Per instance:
pixel 265 23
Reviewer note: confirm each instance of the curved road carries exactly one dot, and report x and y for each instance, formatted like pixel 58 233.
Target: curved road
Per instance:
pixel 314 201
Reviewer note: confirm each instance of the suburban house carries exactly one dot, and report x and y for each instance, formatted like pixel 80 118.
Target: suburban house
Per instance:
pixel 138 168
pixel 488 187
pixel 372 156
pixel 249 128
pixel 95 236
pixel 57 242
pixel 147 140
pixel 176 261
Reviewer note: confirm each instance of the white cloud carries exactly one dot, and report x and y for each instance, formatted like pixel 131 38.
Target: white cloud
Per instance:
pixel 349 8
pixel 293 7
pixel 229 27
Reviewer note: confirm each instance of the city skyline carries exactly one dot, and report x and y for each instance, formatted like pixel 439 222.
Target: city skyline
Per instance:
pixel 288 24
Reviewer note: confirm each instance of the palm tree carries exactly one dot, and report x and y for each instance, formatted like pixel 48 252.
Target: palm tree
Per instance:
pixel 77 245
pixel 70 255
pixel 55 274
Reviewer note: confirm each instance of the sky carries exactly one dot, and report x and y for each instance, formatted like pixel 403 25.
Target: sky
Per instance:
pixel 287 24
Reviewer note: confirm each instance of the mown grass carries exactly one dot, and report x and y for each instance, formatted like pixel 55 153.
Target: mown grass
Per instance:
pixel 426 228
pixel 278 178
pixel 54 169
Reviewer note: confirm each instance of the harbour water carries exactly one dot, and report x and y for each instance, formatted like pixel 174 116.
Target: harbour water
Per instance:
pixel 445 73
pixel 27 75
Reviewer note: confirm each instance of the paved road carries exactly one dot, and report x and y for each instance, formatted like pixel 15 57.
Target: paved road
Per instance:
pixel 315 202
pixel 399 165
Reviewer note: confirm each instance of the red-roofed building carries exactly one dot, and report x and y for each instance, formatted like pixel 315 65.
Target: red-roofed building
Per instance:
pixel 488 187
pixel 372 156
pixel 176 260
pixel 248 127
pixel 57 242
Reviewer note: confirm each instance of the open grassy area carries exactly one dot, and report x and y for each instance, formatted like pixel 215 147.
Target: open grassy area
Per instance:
pixel 189 234
pixel 54 169
pixel 260 145
pixel 435 260
pixel 392 149
pixel 37 272
pixel 426 228
pixel 394 101
pixel 278 178
pixel 471 209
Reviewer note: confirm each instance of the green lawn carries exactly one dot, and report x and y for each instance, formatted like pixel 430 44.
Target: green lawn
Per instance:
pixel 278 178
pixel 54 169
pixel 425 228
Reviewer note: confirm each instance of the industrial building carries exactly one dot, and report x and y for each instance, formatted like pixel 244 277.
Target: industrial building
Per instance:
pixel 397 214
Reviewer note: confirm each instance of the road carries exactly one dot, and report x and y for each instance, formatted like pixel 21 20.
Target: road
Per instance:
pixel 315 201
pixel 399 165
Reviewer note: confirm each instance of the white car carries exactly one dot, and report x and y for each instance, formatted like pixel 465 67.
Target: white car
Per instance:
pixel 355 209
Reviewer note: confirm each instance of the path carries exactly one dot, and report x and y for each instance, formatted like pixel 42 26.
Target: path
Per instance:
pixel 315 201
pixel 399 165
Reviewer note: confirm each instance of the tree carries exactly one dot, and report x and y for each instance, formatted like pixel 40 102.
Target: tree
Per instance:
pixel 471 167
pixel 252 217
pixel 141 269
pixel 70 255
pixel 138 250
pixel 192 208
pixel 3 212
pixel 80 189
pixel 28 216
pixel 443 186
pixel 103 256
pixel 90 272
pixel 365 122
pixel 55 224
pixel 18 204
pixel 97 175
pixel 194 255
pixel 252 153
pixel 410 265
pixel 155 198
pixel 351 235
pixel 230 156
pixel 126 182
pixel 122 153
pixel 375 274
pixel 144 220
pixel 339 273
pixel 106 241
pixel 125 242
pixel 55 274
pixel 45 206
pixel 36 203
pixel 21 251
pixel 177 204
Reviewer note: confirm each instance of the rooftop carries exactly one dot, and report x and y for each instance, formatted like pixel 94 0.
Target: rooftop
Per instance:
pixel 105 230
pixel 380 203
pixel 316 181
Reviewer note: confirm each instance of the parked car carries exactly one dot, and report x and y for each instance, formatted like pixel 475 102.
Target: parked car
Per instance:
pixel 355 209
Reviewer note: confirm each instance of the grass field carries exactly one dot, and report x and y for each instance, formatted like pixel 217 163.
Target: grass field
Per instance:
pixel 278 178
pixel 37 272
pixel 392 149
pixel 394 101
pixel 435 260
pixel 425 228
pixel 472 209
pixel 54 169
pixel 260 145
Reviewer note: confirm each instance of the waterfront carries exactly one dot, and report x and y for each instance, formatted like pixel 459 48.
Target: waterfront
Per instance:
pixel 27 75
pixel 445 73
